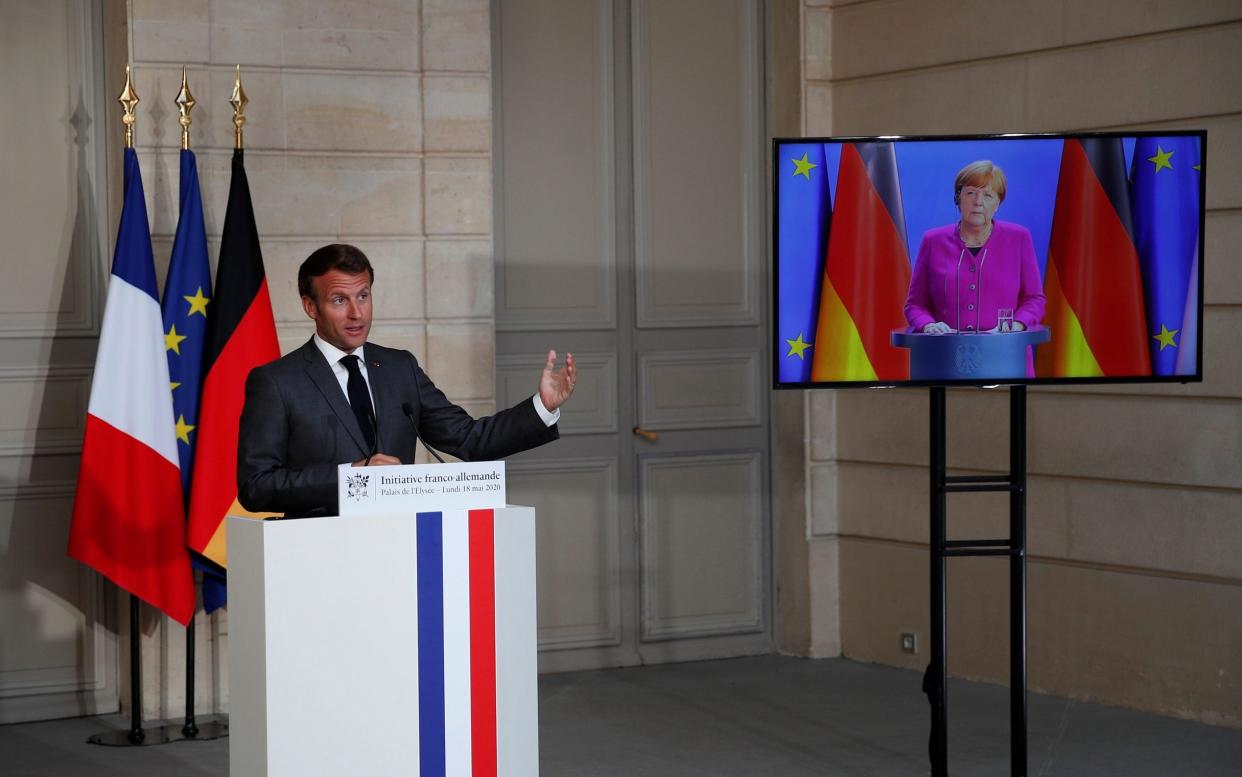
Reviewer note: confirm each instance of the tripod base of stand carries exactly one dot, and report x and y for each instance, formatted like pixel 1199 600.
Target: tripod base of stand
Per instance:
pixel 213 727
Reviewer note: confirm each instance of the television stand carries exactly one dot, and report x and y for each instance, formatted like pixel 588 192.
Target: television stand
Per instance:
pixel 941 549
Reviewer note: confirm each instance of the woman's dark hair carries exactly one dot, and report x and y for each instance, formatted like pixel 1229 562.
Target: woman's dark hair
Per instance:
pixel 337 256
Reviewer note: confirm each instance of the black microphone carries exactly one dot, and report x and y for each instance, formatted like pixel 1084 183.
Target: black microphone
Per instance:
pixel 408 409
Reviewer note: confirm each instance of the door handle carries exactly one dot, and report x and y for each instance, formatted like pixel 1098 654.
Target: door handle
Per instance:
pixel 645 434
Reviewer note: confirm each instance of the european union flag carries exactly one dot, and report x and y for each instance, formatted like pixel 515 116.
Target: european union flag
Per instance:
pixel 803 221
pixel 1164 195
pixel 187 293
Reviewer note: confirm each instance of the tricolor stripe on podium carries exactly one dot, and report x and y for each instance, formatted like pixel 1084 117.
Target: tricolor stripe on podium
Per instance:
pixel 468 706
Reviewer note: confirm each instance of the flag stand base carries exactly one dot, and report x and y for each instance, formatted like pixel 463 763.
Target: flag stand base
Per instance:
pixel 214 727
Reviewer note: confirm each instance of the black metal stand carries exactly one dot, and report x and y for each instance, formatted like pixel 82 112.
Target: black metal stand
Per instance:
pixel 137 736
pixel 190 729
pixel 213 727
pixel 943 548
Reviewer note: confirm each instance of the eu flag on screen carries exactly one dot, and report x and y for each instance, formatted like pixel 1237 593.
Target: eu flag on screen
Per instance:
pixel 1164 186
pixel 803 223
pixel 187 294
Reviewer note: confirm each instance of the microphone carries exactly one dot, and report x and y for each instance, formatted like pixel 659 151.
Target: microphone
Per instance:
pixel 408 409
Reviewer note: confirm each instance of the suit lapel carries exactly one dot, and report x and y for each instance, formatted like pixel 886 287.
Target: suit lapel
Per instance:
pixel 320 374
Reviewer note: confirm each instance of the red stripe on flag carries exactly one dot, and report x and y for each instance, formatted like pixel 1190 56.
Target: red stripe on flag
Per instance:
pixel 129 520
pixel 1098 268
pixel 869 266
pixel 214 488
pixel 483 642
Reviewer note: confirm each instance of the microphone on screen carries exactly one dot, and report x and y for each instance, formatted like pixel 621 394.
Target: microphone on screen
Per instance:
pixel 408 409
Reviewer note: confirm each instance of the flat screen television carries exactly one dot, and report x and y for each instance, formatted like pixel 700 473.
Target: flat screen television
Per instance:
pixel 982 260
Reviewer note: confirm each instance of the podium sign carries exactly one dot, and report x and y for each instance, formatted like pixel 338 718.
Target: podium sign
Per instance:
pixel 414 488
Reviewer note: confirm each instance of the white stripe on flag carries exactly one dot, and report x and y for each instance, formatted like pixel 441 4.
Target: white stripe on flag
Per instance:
pixel 457 741
pixel 130 390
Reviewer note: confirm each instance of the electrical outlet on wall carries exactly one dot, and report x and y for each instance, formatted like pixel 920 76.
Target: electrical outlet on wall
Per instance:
pixel 909 642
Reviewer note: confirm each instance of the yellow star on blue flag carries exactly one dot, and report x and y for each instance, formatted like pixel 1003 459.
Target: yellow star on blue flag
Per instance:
pixel 198 303
pixel 1166 337
pixel 1161 159
pixel 797 347
pixel 803 167
pixel 184 429
pixel 172 340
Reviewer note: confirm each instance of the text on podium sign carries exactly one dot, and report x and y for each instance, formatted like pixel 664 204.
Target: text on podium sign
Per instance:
pixel 420 488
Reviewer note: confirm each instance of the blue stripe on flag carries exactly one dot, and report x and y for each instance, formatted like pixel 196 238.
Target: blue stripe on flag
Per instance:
pixel 134 262
pixel 431 644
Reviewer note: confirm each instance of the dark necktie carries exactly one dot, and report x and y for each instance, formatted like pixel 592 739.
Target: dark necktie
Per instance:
pixel 360 400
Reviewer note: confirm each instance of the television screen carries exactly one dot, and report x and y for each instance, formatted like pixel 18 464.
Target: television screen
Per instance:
pixel 1016 259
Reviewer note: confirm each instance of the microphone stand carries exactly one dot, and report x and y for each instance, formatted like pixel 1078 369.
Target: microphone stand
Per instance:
pixel 408 409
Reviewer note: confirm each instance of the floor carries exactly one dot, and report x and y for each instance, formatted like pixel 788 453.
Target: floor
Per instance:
pixel 767 715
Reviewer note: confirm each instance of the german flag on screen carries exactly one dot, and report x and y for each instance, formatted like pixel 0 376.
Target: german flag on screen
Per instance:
pixel 1093 282
pixel 867 272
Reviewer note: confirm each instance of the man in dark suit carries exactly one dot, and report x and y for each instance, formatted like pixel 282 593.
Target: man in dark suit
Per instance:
pixel 340 399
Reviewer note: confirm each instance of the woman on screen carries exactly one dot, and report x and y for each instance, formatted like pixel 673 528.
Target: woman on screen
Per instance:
pixel 978 274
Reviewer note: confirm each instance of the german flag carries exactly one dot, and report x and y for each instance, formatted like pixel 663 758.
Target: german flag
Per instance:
pixel 241 335
pixel 1093 281
pixel 866 274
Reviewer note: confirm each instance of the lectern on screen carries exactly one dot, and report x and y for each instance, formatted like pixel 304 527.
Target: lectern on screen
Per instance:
pixel 981 260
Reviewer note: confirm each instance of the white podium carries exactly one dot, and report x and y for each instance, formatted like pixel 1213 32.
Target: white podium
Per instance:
pixel 384 645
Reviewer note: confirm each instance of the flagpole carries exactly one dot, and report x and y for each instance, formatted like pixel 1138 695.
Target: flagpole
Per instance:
pixel 212 729
pixel 238 100
pixel 185 103
pixel 136 735
pixel 216 726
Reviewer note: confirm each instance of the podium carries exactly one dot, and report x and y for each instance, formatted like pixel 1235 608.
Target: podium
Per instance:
pixel 384 645
pixel 969 356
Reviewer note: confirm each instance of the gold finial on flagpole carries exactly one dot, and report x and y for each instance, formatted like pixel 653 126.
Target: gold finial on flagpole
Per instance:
pixel 128 101
pixel 238 100
pixel 185 103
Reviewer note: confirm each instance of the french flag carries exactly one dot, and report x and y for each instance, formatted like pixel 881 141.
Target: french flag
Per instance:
pixel 477 692
pixel 128 515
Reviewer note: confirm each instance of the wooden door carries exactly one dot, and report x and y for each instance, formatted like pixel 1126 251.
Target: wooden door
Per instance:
pixel 629 230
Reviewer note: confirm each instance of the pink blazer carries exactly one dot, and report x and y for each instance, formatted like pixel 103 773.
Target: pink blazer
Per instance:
pixel 952 285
